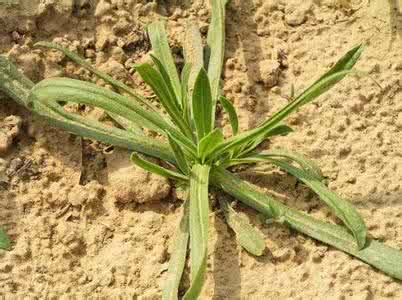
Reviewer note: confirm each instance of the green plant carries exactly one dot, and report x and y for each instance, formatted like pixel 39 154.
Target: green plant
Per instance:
pixel 196 151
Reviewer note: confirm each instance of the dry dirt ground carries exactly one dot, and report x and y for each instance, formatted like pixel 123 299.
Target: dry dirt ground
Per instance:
pixel 86 223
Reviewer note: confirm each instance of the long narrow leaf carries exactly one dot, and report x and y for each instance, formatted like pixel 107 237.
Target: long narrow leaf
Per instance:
pixel 185 98
pixel 340 207
pixel 306 164
pixel 4 240
pixel 178 258
pixel 14 83
pixel 379 255
pixel 202 105
pixel 160 47
pixel 154 168
pixel 247 236
pixel 155 80
pixel 231 111
pixel 193 53
pixel 198 229
pixel 109 79
pixel 77 91
pixel 315 90
pixel 244 150
pixel 216 47
pixel 209 143
pixel 162 70
pixel 179 156
pixel 126 124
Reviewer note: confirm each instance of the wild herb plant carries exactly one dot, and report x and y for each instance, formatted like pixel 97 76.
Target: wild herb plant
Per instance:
pixel 198 154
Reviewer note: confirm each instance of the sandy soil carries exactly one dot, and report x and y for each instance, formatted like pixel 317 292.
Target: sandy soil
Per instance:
pixel 86 223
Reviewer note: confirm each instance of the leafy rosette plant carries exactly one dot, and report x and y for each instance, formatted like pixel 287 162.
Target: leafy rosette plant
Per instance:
pixel 196 152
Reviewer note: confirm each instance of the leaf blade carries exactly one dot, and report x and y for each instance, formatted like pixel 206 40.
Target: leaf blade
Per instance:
pixel 198 228
pixel 324 83
pixel 178 258
pixel 209 143
pixel 216 45
pixel 231 111
pixel 247 236
pixel 202 105
pixel 340 207
pixel 82 62
pixel 160 46
pixel 156 169
pixel 179 155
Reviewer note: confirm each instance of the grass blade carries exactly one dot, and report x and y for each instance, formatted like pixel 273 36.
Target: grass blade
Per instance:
pixel 185 98
pixel 160 47
pixel 14 83
pixel 231 111
pixel 126 124
pixel 340 207
pixel 77 91
pixel 162 70
pixel 247 236
pixel 243 151
pixel 202 105
pixel 193 53
pixel 216 47
pixel 178 258
pixel 179 156
pixel 325 82
pixel 155 80
pixel 154 168
pixel 5 241
pixel 306 164
pixel 109 79
pixel 379 255
pixel 198 229
pixel 209 143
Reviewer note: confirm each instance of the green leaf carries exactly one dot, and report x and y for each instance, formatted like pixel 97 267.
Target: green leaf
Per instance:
pixel 231 111
pixel 216 47
pixel 14 83
pixel 193 53
pixel 325 82
pixel 178 257
pixel 243 151
pixel 340 207
pixel 209 143
pixel 306 164
pixel 179 155
pixel 5 241
pixel 77 91
pixel 126 124
pixel 167 80
pixel 154 168
pixel 160 47
pixel 198 229
pixel 185 99
pixel 380 256
pixel 202 105
pixel 109 79
pixel 247 236
pixel 155 80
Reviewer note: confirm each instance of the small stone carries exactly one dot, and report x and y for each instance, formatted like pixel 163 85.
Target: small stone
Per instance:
pixel 270 72
pixel 102 8
pixel 296 13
